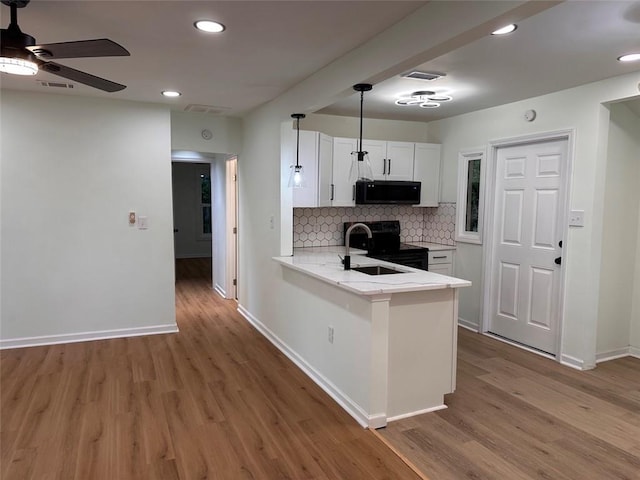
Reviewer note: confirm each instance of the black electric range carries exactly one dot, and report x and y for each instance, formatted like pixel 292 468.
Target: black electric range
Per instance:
pixel 385 244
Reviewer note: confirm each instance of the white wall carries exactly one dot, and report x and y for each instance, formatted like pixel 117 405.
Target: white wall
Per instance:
pixel 186 133
pixel 188 240
pixel 620 233
pixel 72 169
pixel 373 129
pixel 580 109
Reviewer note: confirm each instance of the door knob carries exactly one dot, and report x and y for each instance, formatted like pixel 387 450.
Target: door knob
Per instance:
pixel 560 243
pixel 558 260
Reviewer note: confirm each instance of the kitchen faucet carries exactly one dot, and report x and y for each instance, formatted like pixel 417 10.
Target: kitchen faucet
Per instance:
pixel 347 258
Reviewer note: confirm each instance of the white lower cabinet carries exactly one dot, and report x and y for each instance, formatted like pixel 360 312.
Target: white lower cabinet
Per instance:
pixel 441 261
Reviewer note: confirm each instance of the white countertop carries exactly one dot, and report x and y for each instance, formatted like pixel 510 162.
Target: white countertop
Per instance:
pixel 432 246
pixel 324 264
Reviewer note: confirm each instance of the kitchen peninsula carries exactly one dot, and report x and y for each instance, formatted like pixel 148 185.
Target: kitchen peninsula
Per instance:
pixel 383 346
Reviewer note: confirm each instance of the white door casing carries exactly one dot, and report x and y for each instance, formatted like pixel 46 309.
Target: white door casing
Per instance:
pixel 528 224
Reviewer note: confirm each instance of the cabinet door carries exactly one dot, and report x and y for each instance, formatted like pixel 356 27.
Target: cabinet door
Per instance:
pixel 343 191
pixel 377 151
pixel 325 170
pixel 400 160
pixel 307 196
pixel 442 269
pixel 427 171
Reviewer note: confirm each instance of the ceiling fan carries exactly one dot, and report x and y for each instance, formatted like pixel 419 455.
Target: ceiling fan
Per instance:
pixel 20 55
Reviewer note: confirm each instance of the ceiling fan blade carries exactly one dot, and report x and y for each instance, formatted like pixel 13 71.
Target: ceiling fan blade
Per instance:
pixel 81 77
pixel 101 47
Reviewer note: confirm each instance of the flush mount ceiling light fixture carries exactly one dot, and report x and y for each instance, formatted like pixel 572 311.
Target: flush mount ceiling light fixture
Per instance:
pixel 505 30
pixel 360 165
pixel 423 99
pixel 209 26
pixel 171 93
pixel 296 176
pixel 630 57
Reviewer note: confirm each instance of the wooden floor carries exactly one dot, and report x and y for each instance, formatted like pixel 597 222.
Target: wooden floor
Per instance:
pixel 518 416
pixel 216 400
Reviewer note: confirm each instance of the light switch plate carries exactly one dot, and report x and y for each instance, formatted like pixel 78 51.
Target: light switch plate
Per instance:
pixel 132 218
pixel 576 218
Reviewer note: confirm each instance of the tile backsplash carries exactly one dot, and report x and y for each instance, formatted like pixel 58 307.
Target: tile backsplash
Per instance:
pixel 320 227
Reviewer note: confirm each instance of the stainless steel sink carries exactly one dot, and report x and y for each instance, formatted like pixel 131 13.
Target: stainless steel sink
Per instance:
pixel 377 270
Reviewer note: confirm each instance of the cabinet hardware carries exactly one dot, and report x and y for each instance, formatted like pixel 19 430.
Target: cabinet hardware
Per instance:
pixel 353 194
pixel 441 256
pixel 389 167
pixel 558 260
pixel 333 189
pixel 560 243
pixel 384 166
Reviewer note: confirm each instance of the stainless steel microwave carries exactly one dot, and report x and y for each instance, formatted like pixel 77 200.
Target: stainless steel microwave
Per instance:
pixel 387 192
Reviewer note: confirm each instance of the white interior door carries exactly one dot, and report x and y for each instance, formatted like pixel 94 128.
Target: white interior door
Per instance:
pixel 528 224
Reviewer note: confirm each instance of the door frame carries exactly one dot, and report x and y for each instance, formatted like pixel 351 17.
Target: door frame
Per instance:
pixel 231 221
pixel 489 226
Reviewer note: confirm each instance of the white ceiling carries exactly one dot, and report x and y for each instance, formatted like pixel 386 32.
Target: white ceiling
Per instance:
pixel 270 46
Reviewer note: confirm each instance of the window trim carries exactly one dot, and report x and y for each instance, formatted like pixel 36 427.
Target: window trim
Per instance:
pixel 464 157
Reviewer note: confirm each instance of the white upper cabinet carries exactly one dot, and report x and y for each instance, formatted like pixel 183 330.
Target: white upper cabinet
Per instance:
pixel 390 160
pixel 316 155
pixel 427 171
pixel 343 190
pixel 325 170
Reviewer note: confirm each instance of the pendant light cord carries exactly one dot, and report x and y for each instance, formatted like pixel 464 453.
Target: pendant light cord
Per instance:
pixel 297 140
pixel 361 106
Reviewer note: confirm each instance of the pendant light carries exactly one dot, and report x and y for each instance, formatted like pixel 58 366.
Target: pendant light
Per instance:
pixel 296 176
pixel 360 164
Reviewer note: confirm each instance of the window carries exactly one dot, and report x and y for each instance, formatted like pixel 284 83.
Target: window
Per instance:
pixel 205 204
pixel 470 196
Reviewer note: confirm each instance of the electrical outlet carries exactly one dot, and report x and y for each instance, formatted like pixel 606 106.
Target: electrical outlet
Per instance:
pixel 576 218
pixel 330 337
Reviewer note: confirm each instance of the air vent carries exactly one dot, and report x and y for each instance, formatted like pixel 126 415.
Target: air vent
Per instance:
pixel 423 75
pixel 56 84
pixel 209 109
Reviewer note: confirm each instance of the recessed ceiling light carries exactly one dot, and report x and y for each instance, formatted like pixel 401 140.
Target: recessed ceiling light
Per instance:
pixel 209 26
pixel 505 30
pixel 631 57
pixel 171 93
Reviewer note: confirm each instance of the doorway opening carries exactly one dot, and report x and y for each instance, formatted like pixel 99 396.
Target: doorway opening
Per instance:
pixel 205 211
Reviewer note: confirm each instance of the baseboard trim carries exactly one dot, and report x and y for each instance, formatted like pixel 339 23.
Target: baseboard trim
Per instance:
pixel 618 353
pixel 86 336
pixel 220 291
pixel 576 363
pixel 417 412
pixel 352 408
pixel 612 354
pixel 468 325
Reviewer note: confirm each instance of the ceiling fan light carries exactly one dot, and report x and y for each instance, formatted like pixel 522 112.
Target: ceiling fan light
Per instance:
pixel 18 66
pixel 632 57
pixel 429 105
pixel 209 26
